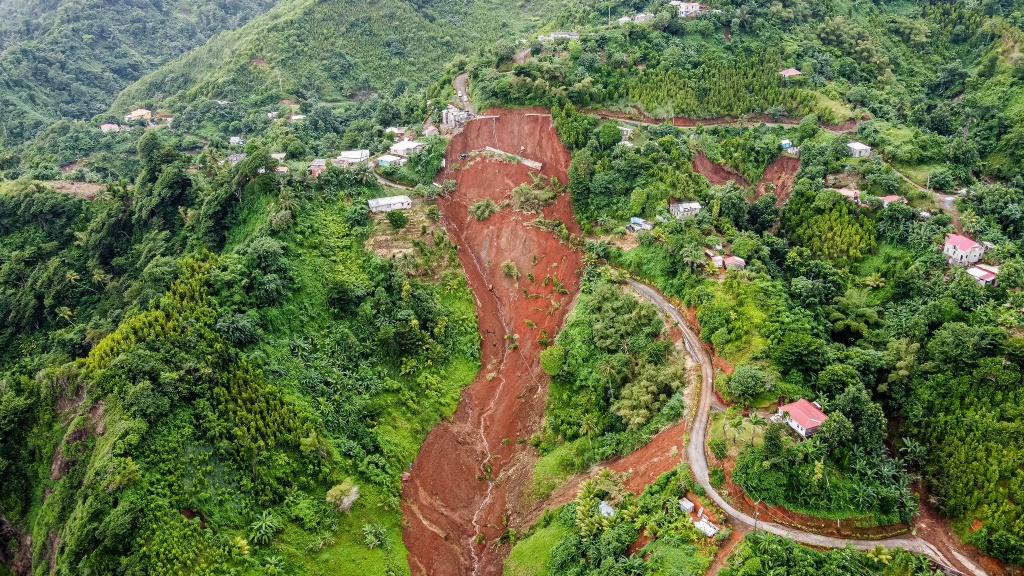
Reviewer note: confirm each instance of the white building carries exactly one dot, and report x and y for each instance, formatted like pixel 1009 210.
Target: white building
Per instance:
pixel 858 149
pixel 624 20
pixel 687 9
pixel 351 157
pixel 786 144
pixel 686 505
pixel 279 156
pixel 643 17
pixel 962 250
pixel 236 141
pixel 684 210
pixel 406 147
pixel 391 160
pixel 390 203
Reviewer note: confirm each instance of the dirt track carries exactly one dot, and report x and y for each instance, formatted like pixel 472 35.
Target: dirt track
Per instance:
pixel 469 468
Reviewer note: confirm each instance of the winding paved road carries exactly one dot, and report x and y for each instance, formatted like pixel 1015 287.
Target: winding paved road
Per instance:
pixel 698 461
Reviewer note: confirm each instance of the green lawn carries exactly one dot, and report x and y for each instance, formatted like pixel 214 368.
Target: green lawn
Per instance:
pixel 532 556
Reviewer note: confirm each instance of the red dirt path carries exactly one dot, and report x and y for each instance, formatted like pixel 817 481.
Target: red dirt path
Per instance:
pixel 460 482
pixel 716 173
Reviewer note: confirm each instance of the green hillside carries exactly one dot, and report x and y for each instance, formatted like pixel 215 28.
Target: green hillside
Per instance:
pixel 328 51
pixel 70 58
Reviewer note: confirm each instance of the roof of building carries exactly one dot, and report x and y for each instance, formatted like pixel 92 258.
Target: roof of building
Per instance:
pixel 962 243
pixel 388 200
pixel 110 127
pixel 705 526
pixel 318 163
pixel 804 413
pixel 606 509
pixel 734 260
pixel 407 145
pixel 282 169
pixel 686 205
pixel 395 129
pixel 849 193
pixel 790 72
pixel 786 142
pixel 858 146
pixel 984 272
pixel 637 220
pixel 279 156
pixel 354 155
pixel 389 158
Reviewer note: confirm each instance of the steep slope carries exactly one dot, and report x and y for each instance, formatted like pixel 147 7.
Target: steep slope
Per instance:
pixel 70 58
pixel 333 50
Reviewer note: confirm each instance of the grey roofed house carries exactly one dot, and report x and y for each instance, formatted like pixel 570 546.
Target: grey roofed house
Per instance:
pixel 234 159
pixel 389 203
pixel 683 210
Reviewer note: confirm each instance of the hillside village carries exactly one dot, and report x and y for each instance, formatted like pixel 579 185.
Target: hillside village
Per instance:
pixel 629 288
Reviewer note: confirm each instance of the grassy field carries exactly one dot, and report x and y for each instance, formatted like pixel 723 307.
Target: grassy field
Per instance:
pixel 531 557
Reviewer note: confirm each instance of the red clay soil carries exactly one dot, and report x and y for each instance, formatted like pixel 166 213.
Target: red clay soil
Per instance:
pixel 716 173
pixel 654 459
pixel 460 482
pixel 934 529
pixel 642 467
pixel 781 173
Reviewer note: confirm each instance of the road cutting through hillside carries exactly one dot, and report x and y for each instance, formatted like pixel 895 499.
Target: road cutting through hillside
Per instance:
pixel 698 462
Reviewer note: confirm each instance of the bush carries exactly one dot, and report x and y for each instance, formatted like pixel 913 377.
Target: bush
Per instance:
pixel 718 447
pixel 483 209
pixel 747 383
pixel 510 269
pixel 397 219
pixel 716 476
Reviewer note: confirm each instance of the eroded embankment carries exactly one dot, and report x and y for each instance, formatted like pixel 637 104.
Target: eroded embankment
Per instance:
pixel 455 500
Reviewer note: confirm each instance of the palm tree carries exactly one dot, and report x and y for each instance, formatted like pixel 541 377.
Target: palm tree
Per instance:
pixel 756 423
pixel 853 313
pixel 588 426
pixel 363 173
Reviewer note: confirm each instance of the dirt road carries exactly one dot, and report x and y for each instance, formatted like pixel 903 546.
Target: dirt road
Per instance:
pixel 699 464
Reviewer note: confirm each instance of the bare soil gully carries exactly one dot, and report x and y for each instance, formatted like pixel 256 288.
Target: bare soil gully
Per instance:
pixel 456 499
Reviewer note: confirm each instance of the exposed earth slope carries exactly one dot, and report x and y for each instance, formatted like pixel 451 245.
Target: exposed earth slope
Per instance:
pixel 458 488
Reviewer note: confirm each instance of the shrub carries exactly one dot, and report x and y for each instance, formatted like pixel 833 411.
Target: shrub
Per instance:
pixel 718 447
pixel 397 219
pixel 510 269
pixel 748 382
pixel 716 476
pixel 483 209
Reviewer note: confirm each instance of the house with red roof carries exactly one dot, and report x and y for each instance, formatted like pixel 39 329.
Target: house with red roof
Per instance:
pixel 803 416
pixel 790 72
pixel 962 250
